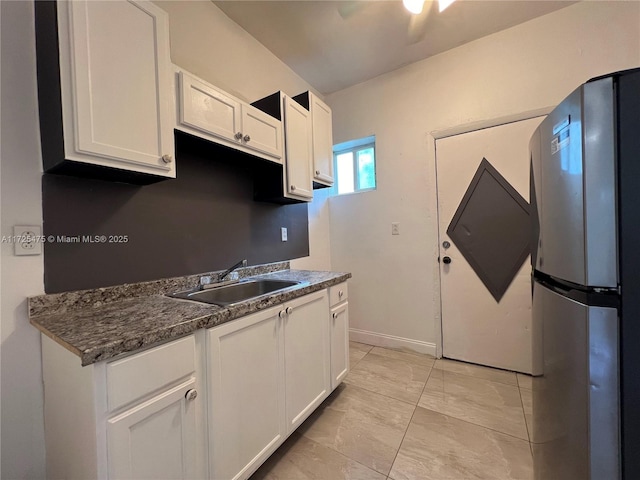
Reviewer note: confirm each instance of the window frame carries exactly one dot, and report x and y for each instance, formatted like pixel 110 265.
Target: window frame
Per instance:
pixel 354 147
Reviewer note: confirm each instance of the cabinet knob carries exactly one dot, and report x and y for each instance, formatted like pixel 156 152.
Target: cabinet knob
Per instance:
pixel 335 315
pixel 289 310
pixel 167 158
pixel 317 172
pixel 247 138
pixel 238 135
pixel 191 394
pixel 282 313
pixel 293 187
pixel 340 293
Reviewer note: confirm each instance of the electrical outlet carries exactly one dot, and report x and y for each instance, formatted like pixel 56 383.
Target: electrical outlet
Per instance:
pixel 395 228
pixel 283 233
pixel 27 240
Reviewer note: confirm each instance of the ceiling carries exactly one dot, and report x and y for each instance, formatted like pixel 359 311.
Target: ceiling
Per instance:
pixel 333 45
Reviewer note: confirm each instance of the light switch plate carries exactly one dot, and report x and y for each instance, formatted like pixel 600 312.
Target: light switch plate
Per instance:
pixel 27 240
pixel 283 233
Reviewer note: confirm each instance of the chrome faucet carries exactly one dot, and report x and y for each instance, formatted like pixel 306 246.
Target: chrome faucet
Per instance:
pixel 241 263
pixel 207 281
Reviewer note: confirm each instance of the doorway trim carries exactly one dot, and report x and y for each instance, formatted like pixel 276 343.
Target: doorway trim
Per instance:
pixel 432 137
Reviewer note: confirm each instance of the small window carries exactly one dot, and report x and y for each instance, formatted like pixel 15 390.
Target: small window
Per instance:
pixel 355 166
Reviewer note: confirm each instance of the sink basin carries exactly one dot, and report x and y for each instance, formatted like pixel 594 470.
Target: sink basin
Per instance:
pixel 237 292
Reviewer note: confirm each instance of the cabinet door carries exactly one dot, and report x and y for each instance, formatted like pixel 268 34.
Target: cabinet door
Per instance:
pixel 246 394
pixel 117 78
pixel 261 132
pixel 156 439
pixel 339 344
pixel 322 141
pixel 209 110
pixel 307 356
pixel 298 150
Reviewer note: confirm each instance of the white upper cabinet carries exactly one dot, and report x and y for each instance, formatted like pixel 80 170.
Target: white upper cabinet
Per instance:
pixel 210 113
pixel 297 123
pixel 115 86
pixel 322 135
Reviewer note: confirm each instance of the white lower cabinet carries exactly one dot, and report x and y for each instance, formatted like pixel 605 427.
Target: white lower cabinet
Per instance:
pixel 138 417
pixel 156 439
pixel 267 373
pixel 154 415
pixel 246 393
pixel 307 357
pixel 339 344
pixel 339 326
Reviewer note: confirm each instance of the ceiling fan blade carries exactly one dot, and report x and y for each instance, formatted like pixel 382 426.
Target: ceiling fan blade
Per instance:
pixel 346 9
pixel 417 28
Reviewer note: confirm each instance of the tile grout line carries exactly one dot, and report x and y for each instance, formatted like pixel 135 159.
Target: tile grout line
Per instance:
pixel 415 408
pixel 480 378
pixel 525 419
pixel 344 455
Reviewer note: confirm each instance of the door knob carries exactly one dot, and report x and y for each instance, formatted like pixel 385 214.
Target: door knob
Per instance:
pixel 446 260
pixel 289 310
pixel 335 315
pixel 247 138
pixel 167 158
pixel 238 135
pixel 191 394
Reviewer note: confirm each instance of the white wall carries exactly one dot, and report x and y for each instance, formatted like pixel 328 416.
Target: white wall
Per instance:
pixel 395 289
pixel 21 203
pixel 204 41
pixel 209 44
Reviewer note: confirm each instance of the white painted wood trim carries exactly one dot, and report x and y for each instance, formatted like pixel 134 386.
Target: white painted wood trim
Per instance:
pixel 489 123
pixel 391 341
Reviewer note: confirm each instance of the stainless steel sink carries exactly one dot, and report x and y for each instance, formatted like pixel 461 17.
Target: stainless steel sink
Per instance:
pixel 237 292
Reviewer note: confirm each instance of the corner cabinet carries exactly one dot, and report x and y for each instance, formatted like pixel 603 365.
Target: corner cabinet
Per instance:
pixel 210 113
pixel 141 416
pixel 322 135
pixel 104 89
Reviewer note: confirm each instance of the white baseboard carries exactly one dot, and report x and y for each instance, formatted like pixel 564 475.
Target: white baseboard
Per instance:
pixel 391 341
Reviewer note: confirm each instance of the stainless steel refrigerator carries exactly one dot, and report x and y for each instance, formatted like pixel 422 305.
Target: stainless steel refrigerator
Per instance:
pixel 585 206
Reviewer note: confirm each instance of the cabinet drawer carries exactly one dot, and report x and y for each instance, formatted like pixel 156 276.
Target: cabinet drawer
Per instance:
pixel 139 375
pixel 338 293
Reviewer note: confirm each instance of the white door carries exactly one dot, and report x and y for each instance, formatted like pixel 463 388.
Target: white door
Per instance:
pixel 246 394
pixel 298 147
pixel 208 109
pixel 307 356
pixel 120 81
pixel 339 344
pixel 261 132
pixel 156 439
pixel 476 327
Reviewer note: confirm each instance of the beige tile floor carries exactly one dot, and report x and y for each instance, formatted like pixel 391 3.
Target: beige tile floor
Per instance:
pixel 404 416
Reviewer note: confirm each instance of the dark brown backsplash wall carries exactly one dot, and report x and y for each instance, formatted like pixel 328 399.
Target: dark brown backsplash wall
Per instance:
pixel 205 219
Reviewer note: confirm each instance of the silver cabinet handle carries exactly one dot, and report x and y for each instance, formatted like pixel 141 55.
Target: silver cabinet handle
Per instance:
pixel 247 138
pixel 340 293
pixel 293 187
pixel 238 135
pixel 282 313
pixel 191 394
pixel 167 158
pixel 289 310
pixel 335 315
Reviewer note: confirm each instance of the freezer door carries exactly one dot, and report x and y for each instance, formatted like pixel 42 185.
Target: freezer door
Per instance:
pixel 576 194
pixel 575 434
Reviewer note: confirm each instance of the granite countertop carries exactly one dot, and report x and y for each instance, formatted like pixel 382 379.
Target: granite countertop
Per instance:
pixel 100 324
